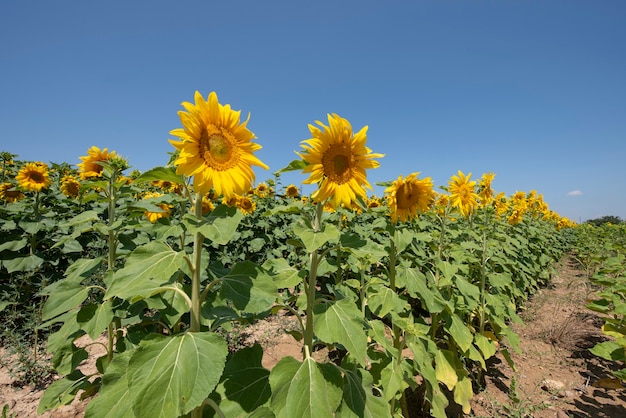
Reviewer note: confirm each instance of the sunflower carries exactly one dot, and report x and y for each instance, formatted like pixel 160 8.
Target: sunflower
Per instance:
pixel 262 190
pixel 485 191
pixel 246 205
pixel 292 191
pixel 373 202
pixel 462 194
pixel 336 160
pixel 70 186
pixel 91 165
pixel 207 205
pixel 232 201
pixel 165 208
pixel 406 197
pixel 9 194
pixel 34 177
pixel 215 148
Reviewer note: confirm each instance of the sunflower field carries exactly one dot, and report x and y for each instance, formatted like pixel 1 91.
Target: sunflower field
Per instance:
pixel 411 293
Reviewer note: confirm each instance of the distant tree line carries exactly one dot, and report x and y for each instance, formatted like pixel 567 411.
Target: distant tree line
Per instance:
pixel 605 220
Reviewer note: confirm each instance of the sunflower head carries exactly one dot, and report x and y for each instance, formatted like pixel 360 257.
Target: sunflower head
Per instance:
pixel 92 163
pixel 215 147
pixel 8 193
pixel 336 160
pixel 485 192
pixel 34 177
pixel 292 191
pixel 70 186
pixel 246 205
pixel 407 197
pixel 462 193
pixel 262 190
pixel 165 208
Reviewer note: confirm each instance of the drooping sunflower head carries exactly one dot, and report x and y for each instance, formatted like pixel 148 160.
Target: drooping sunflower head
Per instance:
pixel 485 192
pixel 215 147
pixel 91 165
pixel 165 208
pixel 34 177
pixel 70 186
pixel 407 197
pixel 292 191
pixel 462 193
pixel 8 193
pixel 336 160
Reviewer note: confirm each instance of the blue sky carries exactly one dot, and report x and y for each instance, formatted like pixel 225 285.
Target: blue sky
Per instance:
pixel 532 90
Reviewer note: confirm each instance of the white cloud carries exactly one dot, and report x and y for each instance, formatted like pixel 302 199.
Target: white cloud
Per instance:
pixel 575 193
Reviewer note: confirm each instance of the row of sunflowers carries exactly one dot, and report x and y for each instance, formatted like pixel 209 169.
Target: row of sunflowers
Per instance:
pixel 163 263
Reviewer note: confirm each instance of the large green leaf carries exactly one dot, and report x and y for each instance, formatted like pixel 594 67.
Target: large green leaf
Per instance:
pixel 245 384
pixel 28 263
pixel 83 268
pixel 383 300
pixel 170 376
pixel 94 318
pixel 283 274
pixel 415 283
pixel 358 398
pixel 219 226
pixel 392 380
pixel 306 390
pixel 146 269
pixel 445 368
pixel 65 294
pixel 313 240
pixel 249 288
pixel 341 322
pixel 62 391
pixel 160 173
pixel 459 332
pixel 114 399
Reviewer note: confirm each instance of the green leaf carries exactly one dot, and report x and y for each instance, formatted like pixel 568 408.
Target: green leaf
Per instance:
pixel 609 350
pixel 294 166
pixel 249 288
pixel 62 391
pixel 445 370
pixel 28 263
pixel 470 292
pixel 81 218
pixel 486 345
pixel 415 283
pixel 160 173
pixel 219 226
pixel 146 269
pixel 14 245
pixel 358 398
pixel 341 322
pixel 383 300
pixel 94 318
pixel 245 384
pixel 402 238
pixel 284 275
pixel 170 376
pixel 114 399
pixel 313 240
pixel 392 380
pixel 307 389
pixel 459 332
pixel 463 393
pixel 64 296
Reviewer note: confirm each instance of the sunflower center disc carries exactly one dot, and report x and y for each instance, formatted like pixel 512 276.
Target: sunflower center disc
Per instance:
pixel 337 163
pixel 219 149
pixel 404 197
pixel 36 177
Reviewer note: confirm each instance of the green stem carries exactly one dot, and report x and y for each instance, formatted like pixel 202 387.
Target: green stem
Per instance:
pixel 398 340
pixel 309 285
pixel 196 271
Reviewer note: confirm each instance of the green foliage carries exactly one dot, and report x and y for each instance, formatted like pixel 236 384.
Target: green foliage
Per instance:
pixel 164 294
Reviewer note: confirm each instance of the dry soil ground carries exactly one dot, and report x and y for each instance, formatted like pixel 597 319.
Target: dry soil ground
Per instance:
pixel 555 374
